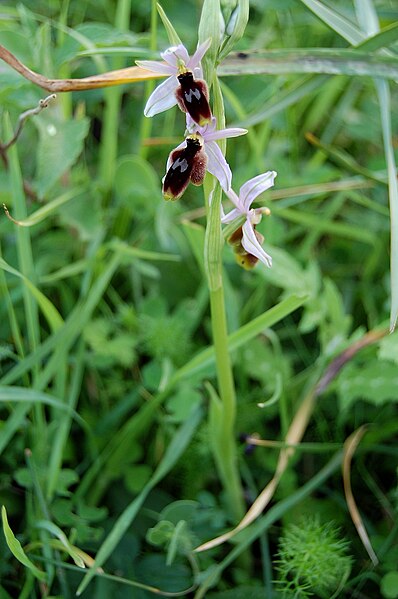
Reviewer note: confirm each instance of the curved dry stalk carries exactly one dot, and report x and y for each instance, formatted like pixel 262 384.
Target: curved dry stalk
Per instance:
pixel 127 75
pixel 294 435
pixel 349 449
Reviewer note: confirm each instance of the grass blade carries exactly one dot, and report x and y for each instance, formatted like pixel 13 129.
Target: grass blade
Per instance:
pixel 16 548
pixel 310 60
pixel 243 335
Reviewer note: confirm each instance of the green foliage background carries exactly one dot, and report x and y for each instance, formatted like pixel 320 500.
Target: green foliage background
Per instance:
pixel 104 306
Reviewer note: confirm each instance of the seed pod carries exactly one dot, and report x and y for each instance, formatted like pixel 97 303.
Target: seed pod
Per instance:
pixel 186 164
pixel 193 98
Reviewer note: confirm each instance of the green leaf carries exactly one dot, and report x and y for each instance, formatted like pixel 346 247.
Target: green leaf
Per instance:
pixel 17 394
pixel 42 213
pixel 60 144
pixel 388 348
pixel 384 95
pixel 50 312
pixel 377 383
pixel 310 60
pixel 183 509
pixel 181 403
pixel 160 534
pixel 335 21
pixel 57 532
pixel 16 549
pixel 384 38
pixel 171 32
pixel 389 585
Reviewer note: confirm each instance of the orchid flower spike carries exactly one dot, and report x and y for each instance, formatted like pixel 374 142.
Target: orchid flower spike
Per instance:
pixel 196 154
pixel 184 86
pixel 246 241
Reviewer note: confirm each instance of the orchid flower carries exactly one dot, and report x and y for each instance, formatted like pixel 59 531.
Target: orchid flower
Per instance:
pixel 184 165
pixel 246 240
pixel 184 86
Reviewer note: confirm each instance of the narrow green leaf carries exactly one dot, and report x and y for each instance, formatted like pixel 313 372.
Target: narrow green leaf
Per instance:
pixel 383 92
pixel 57 532
pixel 176 448
pixel 344 159
pixel 243 335
pixel 284 98
pixel 30 396
pixel 337 22
pixel 171 32
pixel 42 213
pixel 70 330
pixel 340 229
pixel 383 39
pixel 127 250
pixel 48 309
pixel 367 17
pixel 310 60
pixel 16 548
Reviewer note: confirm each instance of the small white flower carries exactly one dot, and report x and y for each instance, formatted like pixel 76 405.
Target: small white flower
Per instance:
pixel 171 92
pixel 250 240
pixel 216 163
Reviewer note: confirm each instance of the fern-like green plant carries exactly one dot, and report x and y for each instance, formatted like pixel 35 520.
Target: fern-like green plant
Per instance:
pixel 312 560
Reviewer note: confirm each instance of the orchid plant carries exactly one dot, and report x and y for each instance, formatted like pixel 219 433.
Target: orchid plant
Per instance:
pixel 197 154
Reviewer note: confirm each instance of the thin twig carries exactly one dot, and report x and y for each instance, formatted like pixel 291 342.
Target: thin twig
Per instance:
pixel 22 118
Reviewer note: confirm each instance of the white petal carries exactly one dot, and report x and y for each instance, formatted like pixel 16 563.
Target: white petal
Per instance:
pixel 217 165
pixel 162 98
pixel 200 52
pixel 235 200
pixel 228 218
pixel 156 67
pixel 171 55
pixel 252 246
pixel 221 133
pixel 252 188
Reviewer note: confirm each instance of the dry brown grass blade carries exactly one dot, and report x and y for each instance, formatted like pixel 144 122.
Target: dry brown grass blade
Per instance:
pixel 294 436
pixel 127 75
pixel 349 449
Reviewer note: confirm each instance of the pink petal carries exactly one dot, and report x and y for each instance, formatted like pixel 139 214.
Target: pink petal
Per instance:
pixel 252 246
pixel 252 188
pixel 235 200
pixel 162 98
pixel 171 55
pixel 217 165
pixel 222 133
pixel 156 67
pixel 232 215
pixel 201 50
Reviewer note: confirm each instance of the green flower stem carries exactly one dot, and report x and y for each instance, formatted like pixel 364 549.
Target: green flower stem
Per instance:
pixel 224 447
